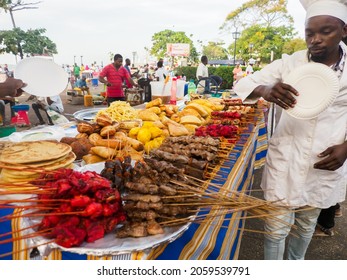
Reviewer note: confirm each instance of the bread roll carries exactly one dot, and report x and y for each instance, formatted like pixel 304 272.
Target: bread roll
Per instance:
pixel 94 137
pixel 104 120
pixel 84 127
pixel 108 131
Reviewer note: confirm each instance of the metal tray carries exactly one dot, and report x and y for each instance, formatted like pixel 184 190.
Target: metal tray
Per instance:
pixel 87 114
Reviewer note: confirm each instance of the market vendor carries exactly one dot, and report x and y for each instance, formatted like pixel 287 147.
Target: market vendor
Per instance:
pixel 45 104
pixel 113 76
pixel 81 84
pixel 306 162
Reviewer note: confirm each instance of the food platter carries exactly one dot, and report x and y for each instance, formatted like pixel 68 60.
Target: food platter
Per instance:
pixel 87 114
pixel 46 133
pixel 109 244
pixel 318 87
pixel 43 77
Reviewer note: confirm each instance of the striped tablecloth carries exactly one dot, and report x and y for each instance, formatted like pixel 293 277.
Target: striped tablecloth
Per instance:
pixel 217 239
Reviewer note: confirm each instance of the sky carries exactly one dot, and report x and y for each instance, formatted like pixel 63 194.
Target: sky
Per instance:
pixel 88 30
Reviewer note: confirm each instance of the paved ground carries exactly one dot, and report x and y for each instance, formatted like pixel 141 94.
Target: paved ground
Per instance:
pixel 321 248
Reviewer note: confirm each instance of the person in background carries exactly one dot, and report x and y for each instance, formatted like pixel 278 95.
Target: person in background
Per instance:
pixel 326 221
pixel 249 69
pixel 112 76
pixel 82 68
pixel 53 103
pixel 202 74
pixel 161 73
pixel 306 166
pixel 82 85
pixel 127 67
pixel 237 69
pixel 11 88
pixel 3 101
pixel 76 71
pixel 7 72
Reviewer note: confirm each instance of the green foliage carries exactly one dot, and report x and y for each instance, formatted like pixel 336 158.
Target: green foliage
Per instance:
pixel 215 51
pixel 32 41
pixel 258 41
pixel 188 71
pixel 263 12
pixel 164 37
pixel 294 45
pixel 225 72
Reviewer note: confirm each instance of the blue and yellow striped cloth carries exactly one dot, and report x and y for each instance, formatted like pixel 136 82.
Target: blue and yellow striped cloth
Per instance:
pixel 217 239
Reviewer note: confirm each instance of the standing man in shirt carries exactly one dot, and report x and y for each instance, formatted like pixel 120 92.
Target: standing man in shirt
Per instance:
pixel 113 76
pixel 202 75
pixel 306 165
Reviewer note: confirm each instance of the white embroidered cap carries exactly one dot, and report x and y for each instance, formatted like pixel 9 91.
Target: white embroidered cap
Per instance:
pixel 335 8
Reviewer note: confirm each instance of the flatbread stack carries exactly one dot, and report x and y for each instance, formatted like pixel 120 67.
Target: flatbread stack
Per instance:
pixel 25 161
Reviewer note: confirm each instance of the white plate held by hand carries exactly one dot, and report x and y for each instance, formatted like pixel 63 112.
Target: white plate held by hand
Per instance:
pixel 318 87
pixel 43 77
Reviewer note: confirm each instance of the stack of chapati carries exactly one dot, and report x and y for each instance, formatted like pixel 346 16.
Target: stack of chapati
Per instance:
pixel 25 161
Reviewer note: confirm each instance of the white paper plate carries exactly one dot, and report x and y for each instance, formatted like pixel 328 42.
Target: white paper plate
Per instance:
pixel 318 87
pixel 43 76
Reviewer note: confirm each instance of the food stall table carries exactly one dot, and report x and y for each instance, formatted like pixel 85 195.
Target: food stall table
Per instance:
pixel 218 238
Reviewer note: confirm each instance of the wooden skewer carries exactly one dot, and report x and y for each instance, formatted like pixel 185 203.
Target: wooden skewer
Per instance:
pixel 28 248
pixel 19 230
pixel 29 235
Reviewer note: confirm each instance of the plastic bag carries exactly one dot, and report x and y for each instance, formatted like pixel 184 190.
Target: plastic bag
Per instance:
pixel 56 117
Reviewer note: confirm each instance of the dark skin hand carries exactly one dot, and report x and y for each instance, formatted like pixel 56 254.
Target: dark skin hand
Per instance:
pixel 280 93
pixel 11 87
pixel 334 157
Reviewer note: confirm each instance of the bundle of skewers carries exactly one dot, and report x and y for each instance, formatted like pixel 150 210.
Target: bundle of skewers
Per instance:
pixel 70 207
pixel 157 195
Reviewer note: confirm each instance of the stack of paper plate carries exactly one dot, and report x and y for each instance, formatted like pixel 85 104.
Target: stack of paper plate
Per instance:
pixel 42 76
pixel 318 86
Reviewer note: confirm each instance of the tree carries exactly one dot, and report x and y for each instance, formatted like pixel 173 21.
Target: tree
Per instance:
pixel 268 13
pixel 294 45
pixel 164 37
pixel 11 7
pixel 215 51
pixel 32 42
pixel 259 42
pixel 267 28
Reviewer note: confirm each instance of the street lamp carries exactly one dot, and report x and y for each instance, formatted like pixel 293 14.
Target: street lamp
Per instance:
pixel 74 59
pixel 134 54
pixel 81 59
pixel 250 50
pixel 236 35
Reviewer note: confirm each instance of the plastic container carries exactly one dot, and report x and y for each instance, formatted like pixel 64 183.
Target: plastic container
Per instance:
pixel 191 88
pixel 173 99
pixel 7 130
pixel 88 100
pixel 95 82
pixel 163 91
